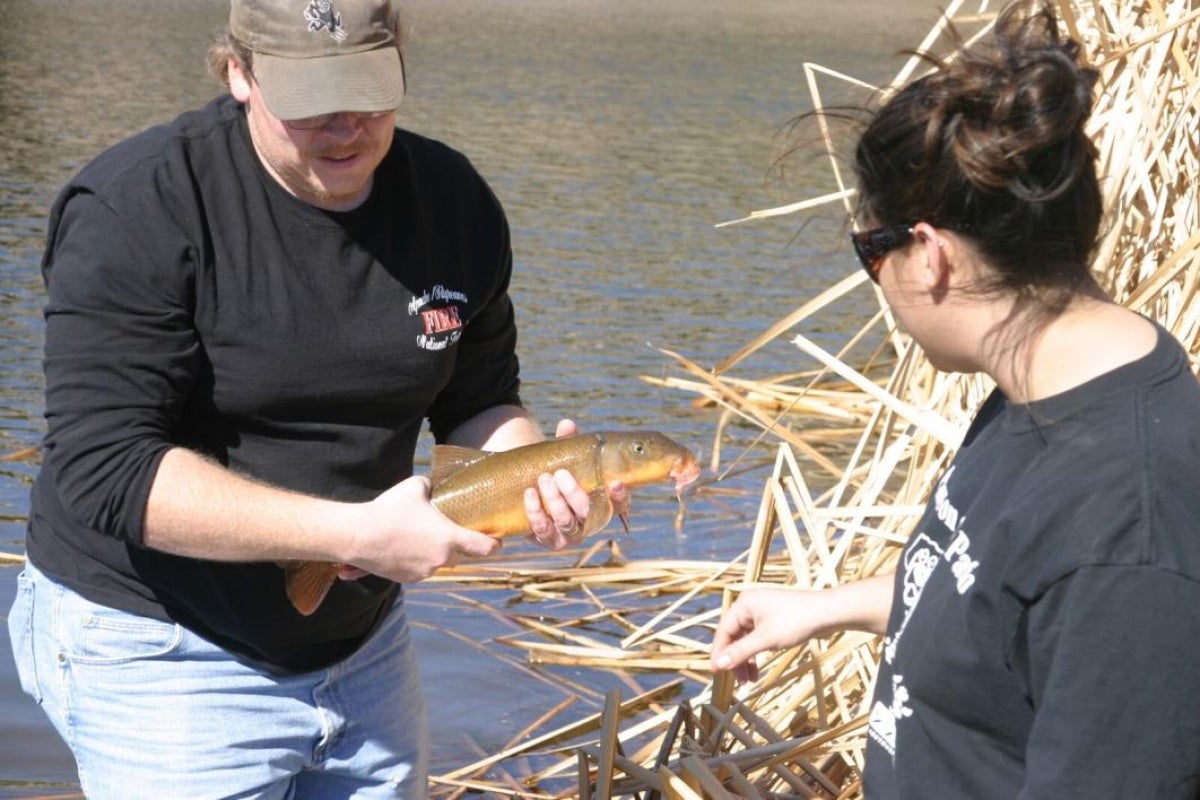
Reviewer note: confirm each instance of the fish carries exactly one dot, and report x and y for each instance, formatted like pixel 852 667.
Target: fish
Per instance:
pixel 484 490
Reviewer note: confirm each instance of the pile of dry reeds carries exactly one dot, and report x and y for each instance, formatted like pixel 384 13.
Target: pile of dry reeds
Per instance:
pixel 799 731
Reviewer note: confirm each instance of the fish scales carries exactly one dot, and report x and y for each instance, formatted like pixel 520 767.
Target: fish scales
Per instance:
pixel 487 495
pixel 484 491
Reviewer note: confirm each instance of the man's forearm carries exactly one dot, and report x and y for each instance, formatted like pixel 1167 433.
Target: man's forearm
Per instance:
pixel 198 508
pixel 497 428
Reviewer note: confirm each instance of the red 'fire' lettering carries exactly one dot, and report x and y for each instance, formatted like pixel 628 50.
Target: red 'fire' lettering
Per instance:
pixel 440 320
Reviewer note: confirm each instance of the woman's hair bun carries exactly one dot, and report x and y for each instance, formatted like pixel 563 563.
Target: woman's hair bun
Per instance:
pixel 1014 114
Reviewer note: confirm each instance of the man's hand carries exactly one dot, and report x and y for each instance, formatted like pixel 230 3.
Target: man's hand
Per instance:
pixel 559 506
pixel 404 538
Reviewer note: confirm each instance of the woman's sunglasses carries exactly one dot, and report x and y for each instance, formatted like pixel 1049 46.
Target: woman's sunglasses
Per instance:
pixel 872 245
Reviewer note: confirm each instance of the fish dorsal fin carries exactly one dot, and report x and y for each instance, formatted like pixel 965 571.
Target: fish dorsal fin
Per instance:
pixel 446 459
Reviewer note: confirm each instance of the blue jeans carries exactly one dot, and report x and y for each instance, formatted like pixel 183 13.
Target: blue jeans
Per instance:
pixel 150 710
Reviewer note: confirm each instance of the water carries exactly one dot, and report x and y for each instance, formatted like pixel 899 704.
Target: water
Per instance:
pixel 615 133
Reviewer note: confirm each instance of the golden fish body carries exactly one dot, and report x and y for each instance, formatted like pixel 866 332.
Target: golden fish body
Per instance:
pixel 484 491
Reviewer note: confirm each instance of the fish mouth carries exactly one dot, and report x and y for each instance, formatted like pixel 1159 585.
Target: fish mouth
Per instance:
pixel 684 471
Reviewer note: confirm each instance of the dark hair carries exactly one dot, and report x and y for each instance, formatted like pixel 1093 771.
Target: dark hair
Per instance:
pixel 991 144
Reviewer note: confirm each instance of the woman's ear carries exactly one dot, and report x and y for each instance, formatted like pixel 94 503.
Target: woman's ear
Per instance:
pixel 935 272
pixel 239 81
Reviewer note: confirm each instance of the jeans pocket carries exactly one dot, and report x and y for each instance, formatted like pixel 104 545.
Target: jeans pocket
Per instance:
pixel 105 636
pixel 20 635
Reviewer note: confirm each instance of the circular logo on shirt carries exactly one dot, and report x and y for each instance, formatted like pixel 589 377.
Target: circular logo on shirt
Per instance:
pixel 441 311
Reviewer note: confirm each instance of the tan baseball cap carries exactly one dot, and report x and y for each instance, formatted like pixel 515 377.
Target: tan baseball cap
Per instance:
pixel 321 56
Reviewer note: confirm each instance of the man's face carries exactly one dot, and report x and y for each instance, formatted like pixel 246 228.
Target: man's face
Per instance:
pixel 330 166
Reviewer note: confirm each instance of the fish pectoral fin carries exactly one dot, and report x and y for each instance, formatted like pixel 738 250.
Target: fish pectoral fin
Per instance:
pixel 599 513
pixel 446 459
pixel 308 582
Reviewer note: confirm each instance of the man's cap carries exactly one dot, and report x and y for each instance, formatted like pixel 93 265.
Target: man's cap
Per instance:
pixel 321 56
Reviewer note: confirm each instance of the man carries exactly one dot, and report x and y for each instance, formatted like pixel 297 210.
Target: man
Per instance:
pixel 251 311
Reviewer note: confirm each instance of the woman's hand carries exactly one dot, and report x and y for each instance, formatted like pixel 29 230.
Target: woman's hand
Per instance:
pixel 776 618
pixel 761 620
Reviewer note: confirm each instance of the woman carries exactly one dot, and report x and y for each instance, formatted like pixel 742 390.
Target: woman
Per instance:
pixel 1043 625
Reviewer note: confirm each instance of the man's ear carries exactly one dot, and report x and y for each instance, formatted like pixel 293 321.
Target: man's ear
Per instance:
pixel 239 81
pixel 935 272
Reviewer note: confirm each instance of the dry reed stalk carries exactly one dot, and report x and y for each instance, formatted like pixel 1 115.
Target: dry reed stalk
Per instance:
pixel 24 454
pixel 800 730
pixel 465 786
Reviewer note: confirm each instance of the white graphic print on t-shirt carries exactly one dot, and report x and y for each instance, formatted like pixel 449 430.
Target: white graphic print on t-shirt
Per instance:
pixel 922 556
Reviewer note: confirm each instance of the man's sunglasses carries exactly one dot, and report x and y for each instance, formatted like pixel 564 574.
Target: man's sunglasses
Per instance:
pixel 872 245
pixel 321 120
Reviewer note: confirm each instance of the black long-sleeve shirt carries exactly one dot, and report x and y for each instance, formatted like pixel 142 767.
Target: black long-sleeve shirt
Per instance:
pixel 193 302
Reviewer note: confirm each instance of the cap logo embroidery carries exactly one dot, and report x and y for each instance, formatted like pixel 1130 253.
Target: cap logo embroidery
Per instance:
pixel 322 17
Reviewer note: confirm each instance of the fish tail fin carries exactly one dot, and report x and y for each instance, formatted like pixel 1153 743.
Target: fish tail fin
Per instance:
pixel 307 583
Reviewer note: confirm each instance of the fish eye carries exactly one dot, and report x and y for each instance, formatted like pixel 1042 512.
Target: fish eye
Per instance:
pixel 638 447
